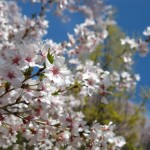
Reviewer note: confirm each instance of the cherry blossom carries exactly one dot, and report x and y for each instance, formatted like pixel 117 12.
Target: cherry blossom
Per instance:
pixel 131 42
pixel 40 94
pixel 147 32
pixel 57 72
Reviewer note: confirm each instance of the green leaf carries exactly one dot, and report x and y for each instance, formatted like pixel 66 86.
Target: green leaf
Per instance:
pixel 7 86
pixel 41 76
pixel 28 72
pixel 56 93
pixel 50 57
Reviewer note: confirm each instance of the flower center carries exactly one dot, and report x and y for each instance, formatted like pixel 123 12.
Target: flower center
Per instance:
pixel 90 82
pixel 11 75
pixel 16 60
pixel 28 59
pixel 55 71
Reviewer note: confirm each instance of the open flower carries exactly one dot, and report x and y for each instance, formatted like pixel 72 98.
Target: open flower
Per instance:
pixel 131 42
pixel 57 72
pixel 147 32
pixel 12 75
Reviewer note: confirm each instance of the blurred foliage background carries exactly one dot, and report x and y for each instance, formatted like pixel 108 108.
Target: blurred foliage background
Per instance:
pixel 128 117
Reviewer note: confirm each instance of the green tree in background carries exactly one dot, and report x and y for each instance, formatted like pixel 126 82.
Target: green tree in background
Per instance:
pixel 127 115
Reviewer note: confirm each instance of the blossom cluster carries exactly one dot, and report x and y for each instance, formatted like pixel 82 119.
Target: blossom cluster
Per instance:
pixel 126 79
pixel 14 29
pixel 141 45
pixel 40 94
pixel 41 106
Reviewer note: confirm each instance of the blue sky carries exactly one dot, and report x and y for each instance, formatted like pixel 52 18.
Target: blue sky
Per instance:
pixel 133 16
